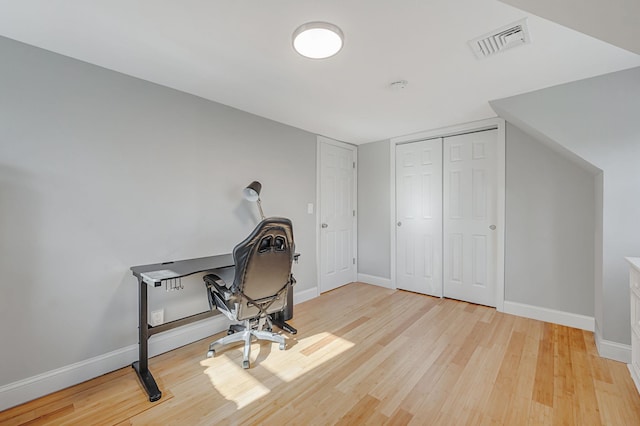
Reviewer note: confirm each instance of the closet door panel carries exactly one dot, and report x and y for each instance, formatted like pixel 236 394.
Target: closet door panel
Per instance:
pixel 469 217
pixel 419 217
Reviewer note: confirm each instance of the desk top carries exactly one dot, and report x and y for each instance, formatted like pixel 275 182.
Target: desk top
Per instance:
pixel 154 274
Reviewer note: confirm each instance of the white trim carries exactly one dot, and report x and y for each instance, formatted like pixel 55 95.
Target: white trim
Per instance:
pixel 51 381
pixel 568 319
pixel 357 212
pixel 475 126
pixel 379 281
pixel 318 218
pixel 304 295
pixel 501 213
pixel 634 376
pixel 443 132
pixel 354 148
pixel 392 215
pixel 612 350
pixel 334 142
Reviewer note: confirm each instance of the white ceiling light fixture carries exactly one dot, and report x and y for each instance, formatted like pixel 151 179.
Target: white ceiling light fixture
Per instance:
pixel 318 40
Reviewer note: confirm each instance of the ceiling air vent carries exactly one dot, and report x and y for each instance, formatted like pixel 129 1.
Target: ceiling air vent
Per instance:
pixel 513 35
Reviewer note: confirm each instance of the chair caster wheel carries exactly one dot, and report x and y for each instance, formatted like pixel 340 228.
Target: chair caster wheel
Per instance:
pixel 245 364
pixel 282 346
pixel 210 354
pixel 230 332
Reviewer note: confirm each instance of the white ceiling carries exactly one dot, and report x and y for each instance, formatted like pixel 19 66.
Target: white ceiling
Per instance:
pixel 614 21
pixel 239 53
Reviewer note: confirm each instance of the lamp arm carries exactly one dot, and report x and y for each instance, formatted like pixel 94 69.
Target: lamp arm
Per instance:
pixel 260 208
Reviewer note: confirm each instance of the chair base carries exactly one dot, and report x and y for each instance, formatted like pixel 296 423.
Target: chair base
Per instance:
pixel 244 334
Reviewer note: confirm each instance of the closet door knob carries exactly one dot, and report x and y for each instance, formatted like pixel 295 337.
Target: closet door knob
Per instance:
pixel 399 223
pixel 492 227
pixel 324 225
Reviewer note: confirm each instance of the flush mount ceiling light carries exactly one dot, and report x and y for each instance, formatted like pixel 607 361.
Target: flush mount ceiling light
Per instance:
pixel 318 40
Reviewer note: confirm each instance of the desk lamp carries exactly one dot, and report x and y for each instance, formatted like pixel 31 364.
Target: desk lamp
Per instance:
pixel 252 193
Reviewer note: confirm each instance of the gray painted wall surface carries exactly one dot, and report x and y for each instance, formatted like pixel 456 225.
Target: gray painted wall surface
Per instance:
pixel 373 209
pixel 550 203
pixel 99 172
pixel 597 119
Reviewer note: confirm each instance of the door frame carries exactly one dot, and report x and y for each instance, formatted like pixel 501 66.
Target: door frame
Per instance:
pixel 324 140
pixel 443 132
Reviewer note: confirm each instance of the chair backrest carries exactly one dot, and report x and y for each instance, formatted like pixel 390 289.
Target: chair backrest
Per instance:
pixel 263 266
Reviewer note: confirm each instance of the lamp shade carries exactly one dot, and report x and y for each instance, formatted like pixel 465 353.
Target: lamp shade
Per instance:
pixel 252 191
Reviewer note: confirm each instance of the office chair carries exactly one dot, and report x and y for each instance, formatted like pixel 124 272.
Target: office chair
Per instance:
pixel 262 279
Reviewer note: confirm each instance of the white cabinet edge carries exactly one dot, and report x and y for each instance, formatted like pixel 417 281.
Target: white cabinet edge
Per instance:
pixel 634 262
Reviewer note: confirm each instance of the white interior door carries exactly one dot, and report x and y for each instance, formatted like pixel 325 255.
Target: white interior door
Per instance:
pixel 337 215
pixel 419 217
pixel 470 217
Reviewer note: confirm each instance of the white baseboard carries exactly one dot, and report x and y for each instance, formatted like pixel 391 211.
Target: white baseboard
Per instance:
pixel 379 281
pixel 612 350
pixel 51 381
pixel 304 295
pixel 606 348
pixel 582 322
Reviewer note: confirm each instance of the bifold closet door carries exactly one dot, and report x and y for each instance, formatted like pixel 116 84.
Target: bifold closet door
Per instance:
pixel 419 217
pixel 470 214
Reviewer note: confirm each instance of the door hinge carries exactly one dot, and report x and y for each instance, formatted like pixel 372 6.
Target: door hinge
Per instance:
pixel 354 260
pixel 354 213
pixel 354 164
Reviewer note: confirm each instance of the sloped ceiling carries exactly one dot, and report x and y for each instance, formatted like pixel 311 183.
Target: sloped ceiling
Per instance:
pixel 239 53
pixel 614 21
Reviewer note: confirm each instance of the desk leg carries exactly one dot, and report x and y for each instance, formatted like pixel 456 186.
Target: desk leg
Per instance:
pixel 284 326
pixel 142 365
pixel 277 319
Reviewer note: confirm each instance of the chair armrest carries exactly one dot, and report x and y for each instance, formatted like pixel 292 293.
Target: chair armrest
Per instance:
pixel 212 281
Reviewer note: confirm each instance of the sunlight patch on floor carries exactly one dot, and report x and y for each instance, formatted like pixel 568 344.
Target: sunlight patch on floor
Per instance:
pixel 244 387
pixel 239 386
pixel 298 362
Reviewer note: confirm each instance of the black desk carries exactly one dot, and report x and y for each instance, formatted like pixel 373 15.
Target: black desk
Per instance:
pixel 153 275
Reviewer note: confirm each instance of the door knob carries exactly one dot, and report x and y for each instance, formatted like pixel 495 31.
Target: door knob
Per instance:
pixel 492 227
pixel 399 223
pixel 324 225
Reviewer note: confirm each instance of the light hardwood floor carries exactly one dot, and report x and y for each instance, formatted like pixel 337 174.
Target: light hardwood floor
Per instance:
pixel 369 355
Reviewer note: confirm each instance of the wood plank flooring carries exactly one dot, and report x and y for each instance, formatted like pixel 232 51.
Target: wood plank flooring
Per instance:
pixel 373 356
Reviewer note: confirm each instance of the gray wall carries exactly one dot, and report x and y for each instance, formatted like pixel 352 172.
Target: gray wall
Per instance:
pixel 597 119
pixel 550 204
pixel 373 204
pixel 99 172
